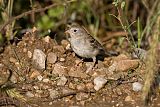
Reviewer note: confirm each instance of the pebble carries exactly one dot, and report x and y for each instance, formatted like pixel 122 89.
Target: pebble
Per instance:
pixel 13 60
pixel 34 74
pixel 46 80
pixel 72 86
pixel 64 43
pixel 59 48
pixel 99 82
pixel 62 59
pixel 77 72
pixel 59 69
pixel 62 81
pixel 137 86
pixel 53 93
pixel 13 79
pixel 51 58
pixel 29 53
pixel 24 50
pixel 89 86
pixel 128 98
pixel 68 47
pixel 39 59
pixel 89 66
pixel 36 87
pixel 82 96
pixel 46 39
pixel 139 53
pixel 39 77
pixel 81 86
pixel 29 94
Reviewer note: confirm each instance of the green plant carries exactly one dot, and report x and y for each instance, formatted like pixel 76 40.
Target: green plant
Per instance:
pixel 49 20
pixel 123 20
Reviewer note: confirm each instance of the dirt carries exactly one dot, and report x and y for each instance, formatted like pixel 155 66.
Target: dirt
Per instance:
pixel 63 82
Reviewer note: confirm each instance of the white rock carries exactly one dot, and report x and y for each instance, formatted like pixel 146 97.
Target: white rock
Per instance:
pixel 47 39
pixel 14 79
pixel 29 94
pixel 39 77
pixel 62 81
pixel 39 59
pixel 46 80
pixel 61 59
pixel 53 93
pixel 137 86
pixel 68 47
pixel 99 82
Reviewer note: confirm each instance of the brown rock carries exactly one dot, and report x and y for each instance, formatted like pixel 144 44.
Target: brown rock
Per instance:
pixel 81 86
pixel 77 72
pixel 60 70
pixel 13 60
pixel 34 73
pixel 82 96
pixel 89 86
pixel 59 48
pixel 62 81
pixel 123 65
pixel 51 58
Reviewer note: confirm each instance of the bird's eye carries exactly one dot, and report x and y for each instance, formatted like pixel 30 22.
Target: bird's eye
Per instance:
pixel 75 30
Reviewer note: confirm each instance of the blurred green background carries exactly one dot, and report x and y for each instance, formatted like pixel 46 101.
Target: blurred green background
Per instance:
pixel 133 19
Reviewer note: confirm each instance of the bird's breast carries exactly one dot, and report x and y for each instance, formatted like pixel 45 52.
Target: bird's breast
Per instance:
pixel 83 48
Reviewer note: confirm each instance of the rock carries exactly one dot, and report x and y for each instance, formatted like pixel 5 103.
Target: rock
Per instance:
pixel 99 82
pixel 60 70
pixel 62 81
pixel 72 86
pixel 46 80
pixel 29 94
pixel 62 59
pixel 13 79
pixel 139 53
pixel 137 86
pixel 81 86
pixel 13 60
pixel 47 39
pixel 89 86
pixel 82 96
pixel 123 65
pixel 39 59
pixel 121 57
pixel 89 66
pixel 29 53
pixel 34 73
pixel 1 65
pixel 59 48
pixel 100 64
pixel 51 58
pixel 66 91
pixel 128 98
pixel 68 47
pixel 39 77
pixel 36 87
pixel 64 43
pixel 24 50
pixel 53 93
pixel 77 72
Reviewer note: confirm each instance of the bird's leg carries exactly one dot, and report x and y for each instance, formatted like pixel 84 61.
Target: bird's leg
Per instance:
pixel 92 66
pixel 81 61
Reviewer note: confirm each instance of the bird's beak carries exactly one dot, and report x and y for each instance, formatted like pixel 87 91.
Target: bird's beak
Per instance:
pixel 66 32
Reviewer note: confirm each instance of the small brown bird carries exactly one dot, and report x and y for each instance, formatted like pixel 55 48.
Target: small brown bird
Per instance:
pixel 83 44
